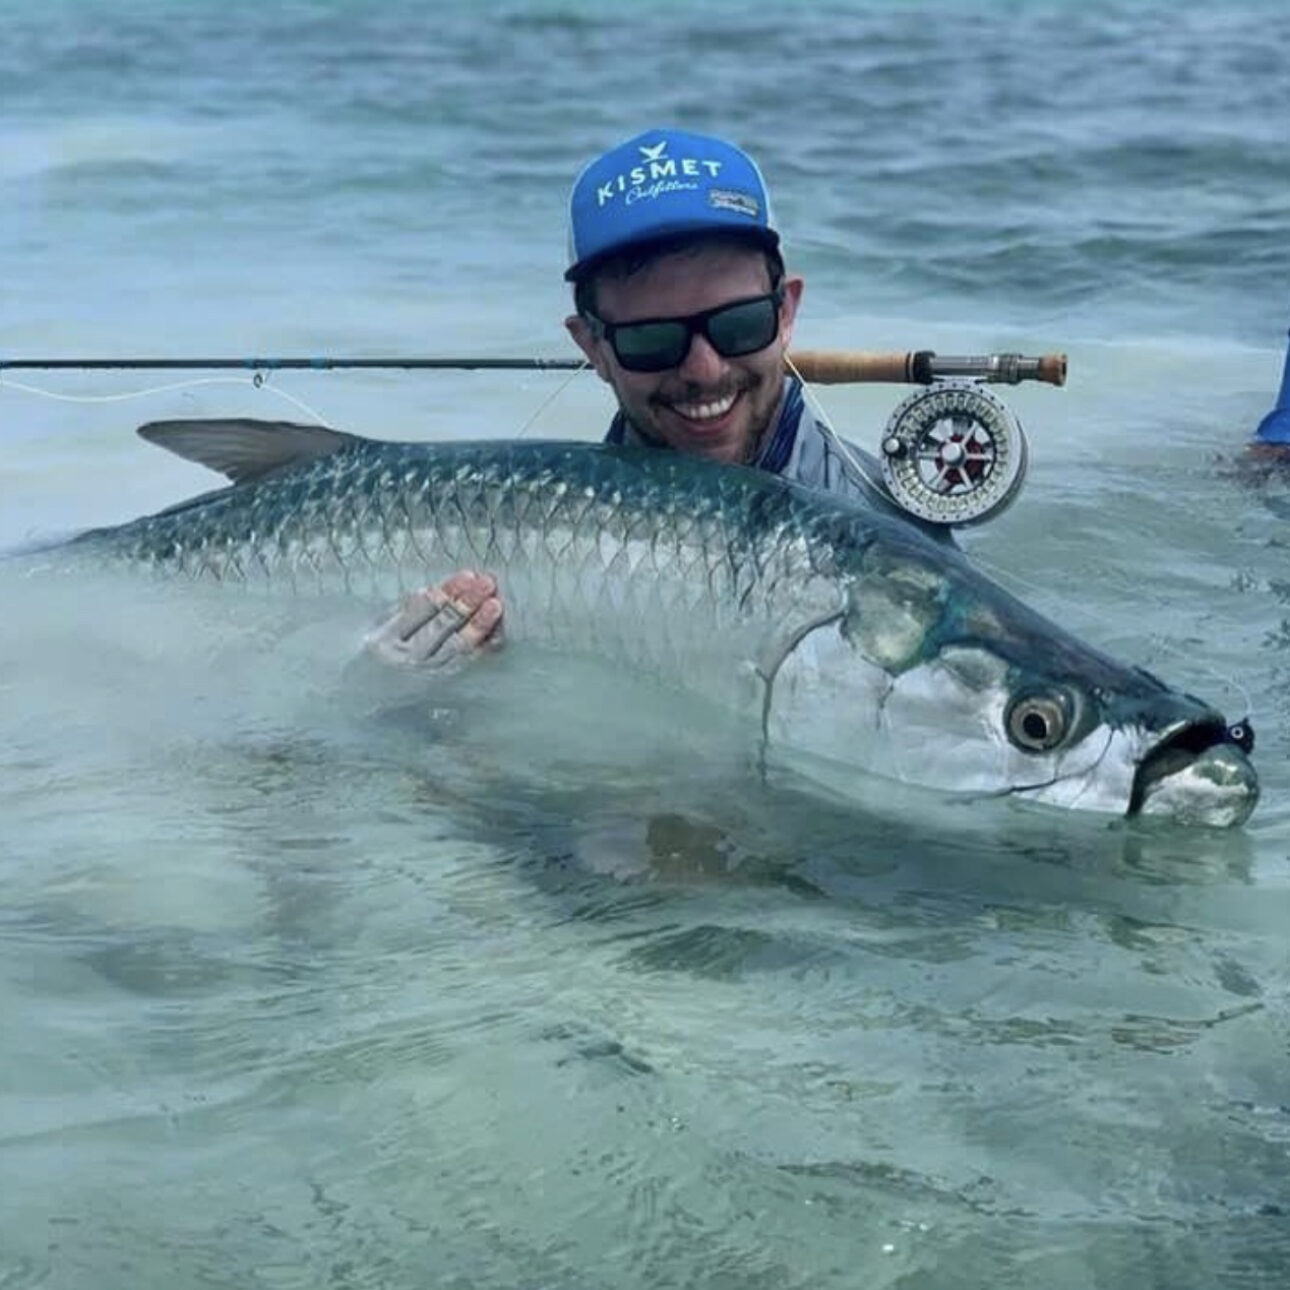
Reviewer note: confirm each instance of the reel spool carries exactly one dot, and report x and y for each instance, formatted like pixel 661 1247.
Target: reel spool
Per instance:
pixel 953 453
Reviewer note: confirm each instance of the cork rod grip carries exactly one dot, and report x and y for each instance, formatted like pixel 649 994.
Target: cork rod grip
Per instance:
pixel 918 367
pixel 842 366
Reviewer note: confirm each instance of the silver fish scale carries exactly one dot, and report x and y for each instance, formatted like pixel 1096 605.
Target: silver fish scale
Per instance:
pixel 633 552
pixel 706 577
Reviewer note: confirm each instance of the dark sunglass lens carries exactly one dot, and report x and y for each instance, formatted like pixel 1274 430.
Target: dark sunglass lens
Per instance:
pixel 650 346
pixel 744 328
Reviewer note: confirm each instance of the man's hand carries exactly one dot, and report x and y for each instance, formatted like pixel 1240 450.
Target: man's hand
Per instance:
pixel 439 626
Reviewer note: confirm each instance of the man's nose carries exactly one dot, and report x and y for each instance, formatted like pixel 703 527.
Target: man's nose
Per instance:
pixel 702 364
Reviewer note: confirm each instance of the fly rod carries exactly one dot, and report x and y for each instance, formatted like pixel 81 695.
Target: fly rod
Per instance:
pixel 823 367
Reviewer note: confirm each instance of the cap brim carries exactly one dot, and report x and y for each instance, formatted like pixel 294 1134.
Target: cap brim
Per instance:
pixel 764 237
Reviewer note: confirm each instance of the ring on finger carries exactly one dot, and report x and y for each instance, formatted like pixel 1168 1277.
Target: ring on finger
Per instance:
pixel 451 609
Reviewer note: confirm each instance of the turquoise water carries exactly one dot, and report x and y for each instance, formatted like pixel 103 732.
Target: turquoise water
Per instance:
pixel 556 994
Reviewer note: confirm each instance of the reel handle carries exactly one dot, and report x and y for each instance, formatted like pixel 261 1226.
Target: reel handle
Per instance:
pixel 922 367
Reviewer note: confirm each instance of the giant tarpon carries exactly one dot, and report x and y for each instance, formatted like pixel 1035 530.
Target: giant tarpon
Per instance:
pixel 849 634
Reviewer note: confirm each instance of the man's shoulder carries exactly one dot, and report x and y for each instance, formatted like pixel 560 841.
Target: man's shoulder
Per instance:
pixel 821 458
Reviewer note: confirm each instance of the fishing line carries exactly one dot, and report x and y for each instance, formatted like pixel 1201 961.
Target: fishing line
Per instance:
pixel 844 449
pixel 257 382
pixel 551 398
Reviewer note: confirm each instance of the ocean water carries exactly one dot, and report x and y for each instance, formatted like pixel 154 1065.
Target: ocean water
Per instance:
pixel 549 990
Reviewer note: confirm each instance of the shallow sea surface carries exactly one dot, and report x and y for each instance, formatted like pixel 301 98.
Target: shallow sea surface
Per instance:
pixel 549 988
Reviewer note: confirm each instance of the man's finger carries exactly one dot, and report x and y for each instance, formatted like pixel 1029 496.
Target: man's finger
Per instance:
pixel 415 610
pixel 484 628
pixel 470 588
pixel 437 634
pixel 452 629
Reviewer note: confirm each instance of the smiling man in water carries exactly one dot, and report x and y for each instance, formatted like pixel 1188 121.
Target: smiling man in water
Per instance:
pixel 684 308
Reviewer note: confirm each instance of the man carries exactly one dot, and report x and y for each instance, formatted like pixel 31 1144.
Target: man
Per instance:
pixel 683 307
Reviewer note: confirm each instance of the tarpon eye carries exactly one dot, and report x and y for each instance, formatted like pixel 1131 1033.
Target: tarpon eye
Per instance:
pixel 1038 722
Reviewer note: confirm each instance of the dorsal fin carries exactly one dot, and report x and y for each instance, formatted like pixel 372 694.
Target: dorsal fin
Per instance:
pixel 243 448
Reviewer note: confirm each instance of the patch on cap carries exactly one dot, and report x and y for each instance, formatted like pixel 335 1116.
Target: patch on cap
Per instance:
pixel 741 203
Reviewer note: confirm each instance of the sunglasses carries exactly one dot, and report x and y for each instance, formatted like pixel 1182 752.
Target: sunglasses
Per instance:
pixel 656 344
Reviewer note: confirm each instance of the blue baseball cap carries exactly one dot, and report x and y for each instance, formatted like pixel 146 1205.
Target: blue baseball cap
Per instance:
pixel 660 184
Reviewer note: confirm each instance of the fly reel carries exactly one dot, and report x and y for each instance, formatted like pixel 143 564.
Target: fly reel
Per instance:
pixel 953 453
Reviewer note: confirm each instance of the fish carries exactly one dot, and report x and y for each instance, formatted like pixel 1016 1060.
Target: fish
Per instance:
pixel 854 642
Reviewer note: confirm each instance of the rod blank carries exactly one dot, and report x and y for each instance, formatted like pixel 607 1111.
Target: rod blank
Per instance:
pixel 824 367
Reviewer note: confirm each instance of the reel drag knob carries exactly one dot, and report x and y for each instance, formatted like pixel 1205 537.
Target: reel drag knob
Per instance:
pixel 953 453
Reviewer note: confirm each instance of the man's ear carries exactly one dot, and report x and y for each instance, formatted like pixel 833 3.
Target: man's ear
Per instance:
pixel 792 288
pixel 578 327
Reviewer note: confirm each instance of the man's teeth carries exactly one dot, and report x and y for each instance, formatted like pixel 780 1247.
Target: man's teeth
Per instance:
pixel 706 411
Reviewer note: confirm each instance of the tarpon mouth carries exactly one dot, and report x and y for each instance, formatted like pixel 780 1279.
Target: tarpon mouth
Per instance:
pixel 1198 774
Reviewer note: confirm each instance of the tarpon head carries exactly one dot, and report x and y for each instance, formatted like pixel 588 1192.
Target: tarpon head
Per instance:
pixel 932 675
